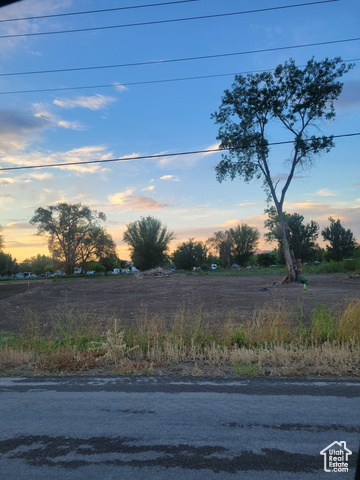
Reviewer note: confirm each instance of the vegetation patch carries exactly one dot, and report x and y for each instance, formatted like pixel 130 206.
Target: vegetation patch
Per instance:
pixel 270 341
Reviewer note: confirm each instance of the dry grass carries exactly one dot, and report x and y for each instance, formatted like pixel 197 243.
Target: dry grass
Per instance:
pixel 269 342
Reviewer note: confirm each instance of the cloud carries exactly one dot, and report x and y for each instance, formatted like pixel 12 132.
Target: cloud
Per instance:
pixel 41 176
pixel 95 102
pixel 348 212
pixel 121 197
pixel 70 125
pixel 42 111
pixel 25 9
pixel 7 181
pixel 129 201
pixel 17 128
pixel 5 199
pixel 325 193
pixel 120 87
pixel 82 154
pixel 148 189
pixel 208 150
pixel 247 204
pixel 173 178
pixel 186 161
pixel 19 226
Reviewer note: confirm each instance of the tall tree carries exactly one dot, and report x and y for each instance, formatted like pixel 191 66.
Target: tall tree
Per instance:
pixel 301 237
pixel 69 227
pixel 237 244
pixel 148 242
pixel 96 245
pixel 189 254
pixel 300 99
pixel 342 241
pixel 221 242
pixel 244 241
pixel 8 265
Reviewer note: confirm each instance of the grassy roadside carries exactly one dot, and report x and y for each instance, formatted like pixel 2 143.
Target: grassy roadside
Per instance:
pixel 268 342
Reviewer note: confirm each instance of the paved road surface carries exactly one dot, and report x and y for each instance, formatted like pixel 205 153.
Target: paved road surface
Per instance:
pixel 161 428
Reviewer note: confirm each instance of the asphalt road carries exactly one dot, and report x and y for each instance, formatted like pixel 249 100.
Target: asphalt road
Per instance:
pixel 166 427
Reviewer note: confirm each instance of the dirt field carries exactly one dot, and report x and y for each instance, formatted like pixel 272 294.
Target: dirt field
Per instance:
pixel 125 297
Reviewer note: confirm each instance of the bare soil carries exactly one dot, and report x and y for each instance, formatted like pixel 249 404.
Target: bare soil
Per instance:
pixel 126 297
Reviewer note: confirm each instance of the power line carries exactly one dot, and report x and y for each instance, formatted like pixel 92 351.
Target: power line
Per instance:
pixel 184 59
pixel 148 157
pixel 172 20
pixel 103 10
pixel 148 82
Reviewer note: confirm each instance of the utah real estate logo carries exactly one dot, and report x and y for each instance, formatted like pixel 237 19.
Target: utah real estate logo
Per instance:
pixel 336 457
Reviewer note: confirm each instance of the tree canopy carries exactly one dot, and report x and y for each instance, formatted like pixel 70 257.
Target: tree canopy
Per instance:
pixel 300 99
pixel 38 264
pixel 74 233
pixel 148 242
pixel 8 264
pixel 342 242
pixel 244 241
pixel 237 244
pixel 189 254
pixel 301 237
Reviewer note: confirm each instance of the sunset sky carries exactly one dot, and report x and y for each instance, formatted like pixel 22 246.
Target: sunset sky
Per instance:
pixel 149 100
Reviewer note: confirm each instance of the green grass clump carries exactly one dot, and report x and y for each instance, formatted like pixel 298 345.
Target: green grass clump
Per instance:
pixel 247 369
pixel 324 325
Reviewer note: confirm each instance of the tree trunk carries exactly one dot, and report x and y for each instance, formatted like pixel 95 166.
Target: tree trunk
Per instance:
pixel 289 256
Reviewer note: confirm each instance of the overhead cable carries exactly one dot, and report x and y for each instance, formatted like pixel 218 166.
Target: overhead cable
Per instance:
pixel 148 82
pixel 158 22
pixel 184 59
pixel 150 157
pixel 102 10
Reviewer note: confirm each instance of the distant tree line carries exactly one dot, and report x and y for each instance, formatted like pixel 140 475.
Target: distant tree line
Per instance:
pixel 77 239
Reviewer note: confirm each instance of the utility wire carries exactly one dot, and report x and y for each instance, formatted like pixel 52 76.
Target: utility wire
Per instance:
pixel 148 82
pixel 103 10
pixel 184 59
pixel 158 22
pixel 149 157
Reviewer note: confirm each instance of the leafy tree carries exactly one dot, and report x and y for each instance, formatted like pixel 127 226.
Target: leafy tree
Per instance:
pixel 148 242
pixel 237 244
pixel 95 266
pixel 301 237
pixel 244 240
pixel 342 241
pixel 70 229
pixel 8 265
pixel 221 242
pixel 190 254
pixel 110 261
pixel 266 259
pixel 97 245
pixel 297 98
pixel 38 264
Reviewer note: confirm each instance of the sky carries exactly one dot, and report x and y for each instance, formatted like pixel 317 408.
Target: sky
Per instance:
pixel 147 102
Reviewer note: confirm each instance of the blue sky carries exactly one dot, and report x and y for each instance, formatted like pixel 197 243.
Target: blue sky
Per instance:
pixel 131 119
